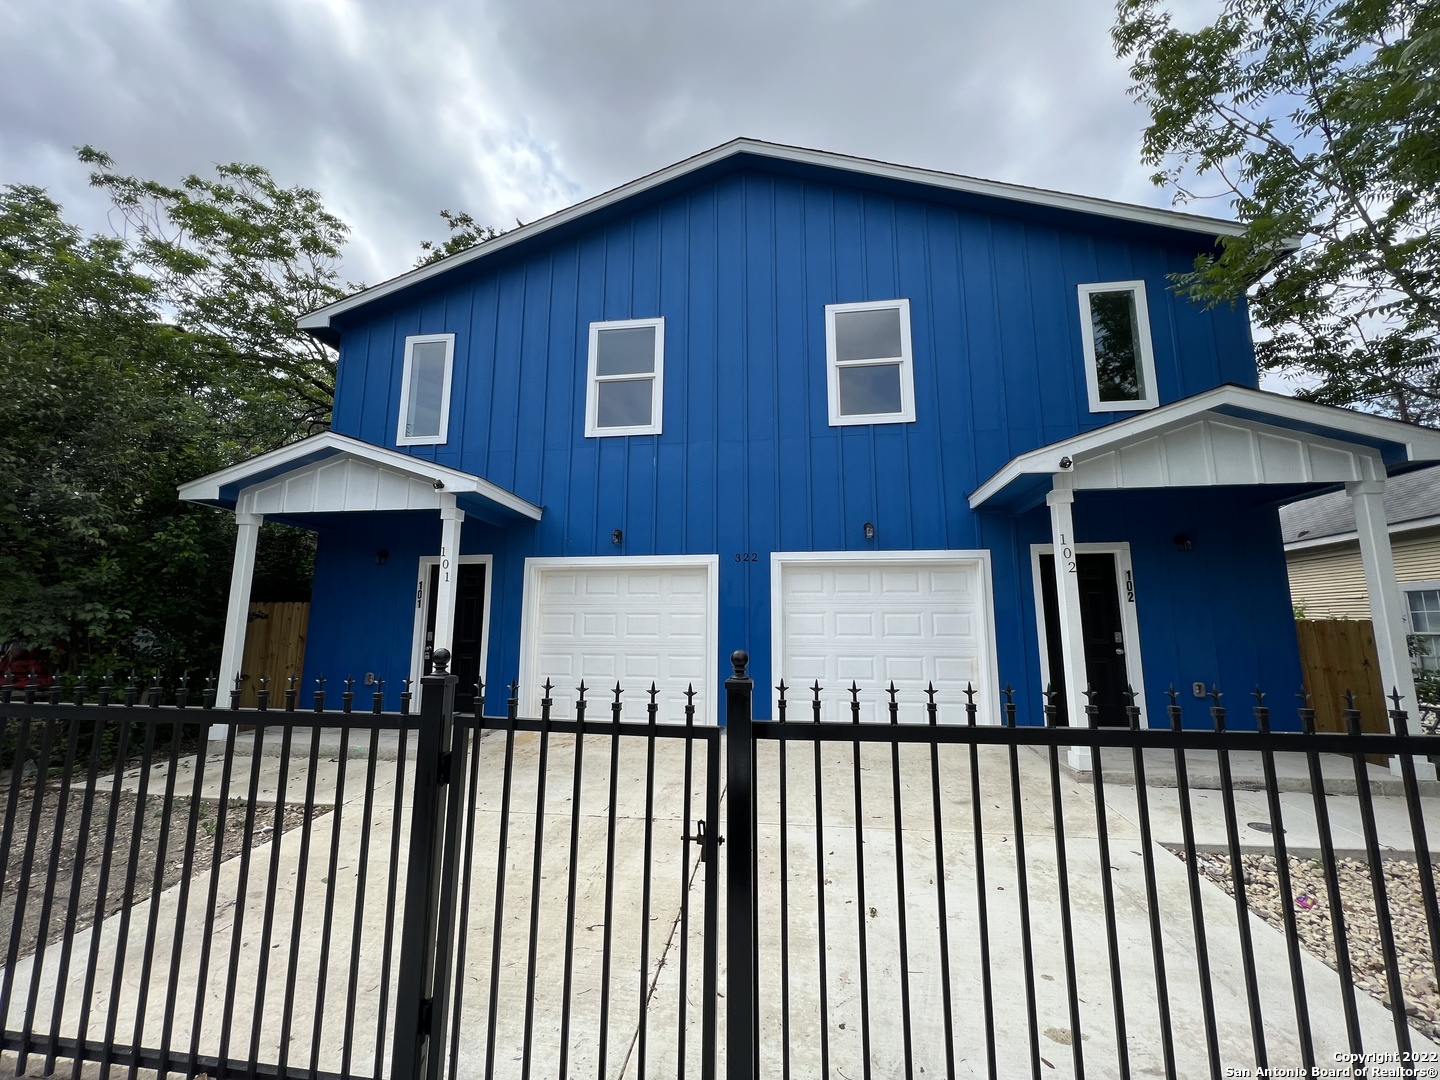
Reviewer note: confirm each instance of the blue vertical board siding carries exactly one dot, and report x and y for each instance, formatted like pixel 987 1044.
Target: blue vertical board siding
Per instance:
pixel 741 268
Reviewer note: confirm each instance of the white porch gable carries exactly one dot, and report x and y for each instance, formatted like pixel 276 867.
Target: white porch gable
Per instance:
pixel 335 474
pixel 1231 436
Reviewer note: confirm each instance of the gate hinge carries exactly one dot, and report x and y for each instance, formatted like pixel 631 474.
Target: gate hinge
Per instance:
pixel 427 1010
pixel 443 772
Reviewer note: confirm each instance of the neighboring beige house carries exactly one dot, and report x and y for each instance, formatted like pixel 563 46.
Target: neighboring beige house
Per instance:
pixel 1322 551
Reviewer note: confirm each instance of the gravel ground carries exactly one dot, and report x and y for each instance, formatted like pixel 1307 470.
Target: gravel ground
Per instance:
pixel 1312 922
pixel 120 851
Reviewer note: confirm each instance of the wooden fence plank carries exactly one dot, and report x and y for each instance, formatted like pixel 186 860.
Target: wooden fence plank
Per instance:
pixel 274 646
pixel 1337 655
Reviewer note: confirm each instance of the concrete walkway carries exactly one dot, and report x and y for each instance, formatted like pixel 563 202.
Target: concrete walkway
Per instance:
pixel 529 1002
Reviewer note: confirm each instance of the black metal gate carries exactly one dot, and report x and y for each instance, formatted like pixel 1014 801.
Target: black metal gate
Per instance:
pixel 491 991
pixel 380 894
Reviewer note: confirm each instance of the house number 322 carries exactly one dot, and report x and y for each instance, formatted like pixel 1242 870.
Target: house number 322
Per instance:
pixel 747 556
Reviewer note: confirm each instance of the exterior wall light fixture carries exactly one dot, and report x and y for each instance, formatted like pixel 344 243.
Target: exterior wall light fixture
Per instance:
pixel 381 557
pixel 869 531
pixel 616 536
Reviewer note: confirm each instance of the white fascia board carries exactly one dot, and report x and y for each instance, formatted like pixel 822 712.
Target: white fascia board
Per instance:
pixel 1420 444
pixel 207 488
pixel 1084 204
pixel 1352 536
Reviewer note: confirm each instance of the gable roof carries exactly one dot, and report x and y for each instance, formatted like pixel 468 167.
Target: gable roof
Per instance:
pixel 739 152
pixel 1411 500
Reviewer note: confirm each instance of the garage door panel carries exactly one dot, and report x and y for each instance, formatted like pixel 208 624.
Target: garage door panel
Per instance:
pixel 632 625
pixel 914 623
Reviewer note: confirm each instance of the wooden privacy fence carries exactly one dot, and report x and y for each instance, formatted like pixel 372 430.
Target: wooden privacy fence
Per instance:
pixel 1337 655
pixel 274 646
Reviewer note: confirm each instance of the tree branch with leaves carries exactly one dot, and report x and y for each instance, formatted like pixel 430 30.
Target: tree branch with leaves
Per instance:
pixel 1318 122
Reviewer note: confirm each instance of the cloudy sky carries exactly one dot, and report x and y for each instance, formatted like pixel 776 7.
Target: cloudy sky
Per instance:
pixel 513 108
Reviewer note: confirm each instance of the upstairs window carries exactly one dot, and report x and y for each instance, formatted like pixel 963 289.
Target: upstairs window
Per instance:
pixel 1119 362
pixel 868 363
pixel 425 389
pixel 624 387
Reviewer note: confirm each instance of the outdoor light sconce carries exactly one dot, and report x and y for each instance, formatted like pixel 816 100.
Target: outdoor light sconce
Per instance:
pixel 869 531
pixel 381 557
pixel 1182 542
pixel 616 536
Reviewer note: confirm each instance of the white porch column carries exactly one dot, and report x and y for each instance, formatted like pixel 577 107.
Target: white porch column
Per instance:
pixel 1061 501
pixel 237 610
pixel 1387 612
pixel 451 518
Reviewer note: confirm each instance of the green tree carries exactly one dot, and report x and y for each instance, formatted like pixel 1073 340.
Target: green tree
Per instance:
pixel 237 260
pixel 464 235
pixel 107 406
pixel 1319 122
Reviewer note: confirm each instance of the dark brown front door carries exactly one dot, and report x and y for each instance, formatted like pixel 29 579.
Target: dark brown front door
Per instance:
pixel 1101 629
pixel 469 629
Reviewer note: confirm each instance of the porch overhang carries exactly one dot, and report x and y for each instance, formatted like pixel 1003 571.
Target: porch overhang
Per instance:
pixel 1229 436
pixel 330 473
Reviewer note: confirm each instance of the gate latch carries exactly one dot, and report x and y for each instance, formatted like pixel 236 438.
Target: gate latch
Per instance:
pixel 700 838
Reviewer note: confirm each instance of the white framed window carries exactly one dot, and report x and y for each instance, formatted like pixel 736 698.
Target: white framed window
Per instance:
pixel 1422 605
pixel 624 385
pixel 425 390
pixel 1119 358
pixel 868 363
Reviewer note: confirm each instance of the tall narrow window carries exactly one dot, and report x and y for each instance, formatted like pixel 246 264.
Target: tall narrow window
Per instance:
pixel 868 363
pixel 625 388
pixel 1424 603
pixel 1119 360
pixel 425 389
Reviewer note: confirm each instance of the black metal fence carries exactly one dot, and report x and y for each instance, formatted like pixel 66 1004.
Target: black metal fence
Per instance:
pixel 387 894
pixel 201 890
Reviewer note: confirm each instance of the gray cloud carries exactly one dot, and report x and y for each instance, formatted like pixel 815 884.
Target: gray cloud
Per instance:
pixel 513 108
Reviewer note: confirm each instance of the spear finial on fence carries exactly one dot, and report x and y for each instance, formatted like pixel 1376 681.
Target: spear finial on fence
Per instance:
pixel 1050 710
pixel 1305 712
pixel 235 690
pixel 780 704
pixel 1092 711
pixel 182 691
pixel 545 700
pixel 406 696
pixel 320 694
pixel 970 707
pixel 1262 713
pixel 1009 706
pixel 262 696
pixel 377 699
pixel 512 703
pixel 209 692
pixel 1217 711
pixel 132 689
pixel 1398 716
pixel 1132 710
pixel 479 696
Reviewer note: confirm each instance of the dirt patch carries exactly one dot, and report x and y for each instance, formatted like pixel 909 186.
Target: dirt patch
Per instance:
pixel 64 849
pixel 1311 904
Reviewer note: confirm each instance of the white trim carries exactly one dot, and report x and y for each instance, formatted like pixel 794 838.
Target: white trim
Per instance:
pixel 593 430
pixel 1082 204
pixel 1151 396
pixel 401 439
pixel 1419 444
pixel 529 616
pixel 422 601
pixel 1415 525
pixel 1129 617
pixel 987 697
pixel 905 361
pixel 207 488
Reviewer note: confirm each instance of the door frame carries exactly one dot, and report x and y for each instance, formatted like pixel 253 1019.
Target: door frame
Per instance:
pixel 422 601
pixel 1129 618
pixel 988 711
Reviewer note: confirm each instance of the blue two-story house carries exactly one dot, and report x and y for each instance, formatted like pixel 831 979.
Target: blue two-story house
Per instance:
pixel 866 422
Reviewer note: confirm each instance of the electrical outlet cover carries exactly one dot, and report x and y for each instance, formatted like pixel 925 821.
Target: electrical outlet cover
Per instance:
pixel 1198 689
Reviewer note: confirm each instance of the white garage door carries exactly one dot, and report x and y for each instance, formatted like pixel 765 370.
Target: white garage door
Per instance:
pixel 913 621
pixel 632 621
